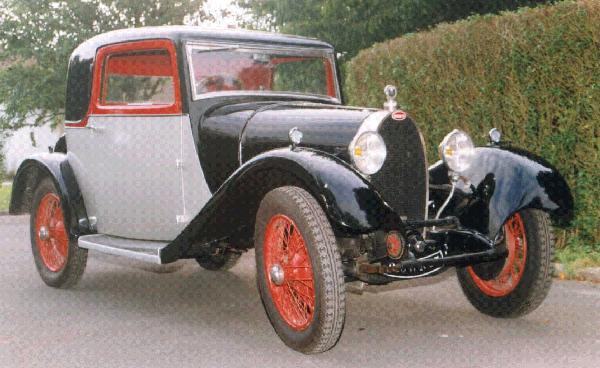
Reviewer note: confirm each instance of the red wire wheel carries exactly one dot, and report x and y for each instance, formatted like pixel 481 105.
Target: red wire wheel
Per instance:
pixel 514 267
pixel 51 235
pixel 289 272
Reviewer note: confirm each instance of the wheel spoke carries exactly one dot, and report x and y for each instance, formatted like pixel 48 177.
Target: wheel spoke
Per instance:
pixel 295 287
pixel 299 304
pixel 306 283
pixel 291 306
pixel 299 273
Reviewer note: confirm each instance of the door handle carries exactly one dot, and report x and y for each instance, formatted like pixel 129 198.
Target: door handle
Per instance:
pixel 93 128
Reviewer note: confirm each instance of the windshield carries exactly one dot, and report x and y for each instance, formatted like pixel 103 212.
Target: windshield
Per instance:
pixel 217 69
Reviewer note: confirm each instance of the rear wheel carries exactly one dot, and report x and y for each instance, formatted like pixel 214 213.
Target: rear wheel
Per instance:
pixel 299 270
pixel 517 285
pixel 58 259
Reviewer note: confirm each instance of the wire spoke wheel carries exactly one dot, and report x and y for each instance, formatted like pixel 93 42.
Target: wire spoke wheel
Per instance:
pixel 289 272
pixel 299 270
pixel 514 266
pixel 50 234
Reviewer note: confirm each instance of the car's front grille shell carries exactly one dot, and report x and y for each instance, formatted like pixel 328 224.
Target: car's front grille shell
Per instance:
pixel 402 181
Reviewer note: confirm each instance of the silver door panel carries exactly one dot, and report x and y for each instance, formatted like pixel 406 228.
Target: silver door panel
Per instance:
pixel 139 175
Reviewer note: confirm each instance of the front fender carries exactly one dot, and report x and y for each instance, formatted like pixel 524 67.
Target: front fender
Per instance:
pixel 500 182
pixel 56 167
pixel 352 205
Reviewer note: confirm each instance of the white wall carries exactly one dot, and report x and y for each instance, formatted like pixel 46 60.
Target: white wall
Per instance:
pixel 18 145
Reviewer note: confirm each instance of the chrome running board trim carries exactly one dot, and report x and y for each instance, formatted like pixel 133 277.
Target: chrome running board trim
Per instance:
pixel 142 250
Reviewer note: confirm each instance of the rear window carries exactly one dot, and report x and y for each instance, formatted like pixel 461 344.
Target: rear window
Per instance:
pixel 138 78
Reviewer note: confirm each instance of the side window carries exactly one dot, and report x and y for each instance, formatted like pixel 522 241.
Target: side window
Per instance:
pixel 138 78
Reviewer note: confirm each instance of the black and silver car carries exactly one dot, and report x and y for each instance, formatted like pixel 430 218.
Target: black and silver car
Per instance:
pixel 183 143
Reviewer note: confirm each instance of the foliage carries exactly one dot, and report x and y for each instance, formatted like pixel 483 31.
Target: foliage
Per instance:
pixel 574 258
pixel 301 76
pixel 38 36
pixel 5 197
pixel 534 74
pixel 352 25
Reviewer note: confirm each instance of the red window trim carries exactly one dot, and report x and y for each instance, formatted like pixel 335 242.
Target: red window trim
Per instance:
pixel 95 108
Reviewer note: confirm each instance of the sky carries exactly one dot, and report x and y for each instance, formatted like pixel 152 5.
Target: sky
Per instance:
pixel 216 7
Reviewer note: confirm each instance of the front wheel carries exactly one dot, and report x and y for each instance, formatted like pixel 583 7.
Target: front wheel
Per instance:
pixel 517 285
pixel 299 270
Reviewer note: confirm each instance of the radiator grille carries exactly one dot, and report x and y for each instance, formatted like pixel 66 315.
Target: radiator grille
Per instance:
pixel 402 181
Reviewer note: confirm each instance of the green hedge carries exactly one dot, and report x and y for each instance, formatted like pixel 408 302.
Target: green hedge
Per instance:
pixel 533 73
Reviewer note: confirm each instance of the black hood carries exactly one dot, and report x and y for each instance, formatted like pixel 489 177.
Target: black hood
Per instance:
pixel 323 127
pixel 261 126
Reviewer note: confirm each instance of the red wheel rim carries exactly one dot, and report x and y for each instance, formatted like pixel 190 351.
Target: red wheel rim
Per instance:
pixel 50 234
pixel 514 266
pixel 293 291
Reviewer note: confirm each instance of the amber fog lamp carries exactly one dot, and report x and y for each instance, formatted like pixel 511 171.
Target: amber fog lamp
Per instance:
pixel 369 153
pixel 457 150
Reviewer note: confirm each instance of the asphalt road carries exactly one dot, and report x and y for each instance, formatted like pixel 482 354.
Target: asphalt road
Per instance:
pixel 126 314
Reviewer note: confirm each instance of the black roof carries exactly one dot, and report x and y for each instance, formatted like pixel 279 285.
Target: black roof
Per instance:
pixel 184 33
pixel 80 65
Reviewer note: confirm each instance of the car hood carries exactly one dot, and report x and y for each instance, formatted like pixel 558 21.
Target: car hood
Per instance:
pixel 234 133
pixel 324 127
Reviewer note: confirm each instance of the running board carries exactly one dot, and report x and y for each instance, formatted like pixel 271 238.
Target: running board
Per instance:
pixel 143 250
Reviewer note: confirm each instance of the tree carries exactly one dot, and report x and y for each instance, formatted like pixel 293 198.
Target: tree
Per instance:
pixel 38 36
pixel 352 25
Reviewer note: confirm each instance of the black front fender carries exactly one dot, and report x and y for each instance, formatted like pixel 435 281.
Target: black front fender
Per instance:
pixel 500 182
pixel 352 205
pixel 56 167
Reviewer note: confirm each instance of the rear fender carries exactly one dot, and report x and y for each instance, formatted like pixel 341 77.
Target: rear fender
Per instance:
pixel 500 182
pixel 351 204
pixel 56 167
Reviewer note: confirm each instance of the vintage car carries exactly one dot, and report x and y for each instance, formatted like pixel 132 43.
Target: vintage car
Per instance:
pixel 184 143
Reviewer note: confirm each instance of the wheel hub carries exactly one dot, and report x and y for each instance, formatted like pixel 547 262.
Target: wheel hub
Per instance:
pixel 277 274
pixel 44 233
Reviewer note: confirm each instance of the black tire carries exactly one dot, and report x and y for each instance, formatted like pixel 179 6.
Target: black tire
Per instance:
pixel 221 262
pixel 536 279
pixel 327 323
pixel 76 258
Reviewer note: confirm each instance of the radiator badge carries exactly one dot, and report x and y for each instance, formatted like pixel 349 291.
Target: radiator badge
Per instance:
pixel 399 115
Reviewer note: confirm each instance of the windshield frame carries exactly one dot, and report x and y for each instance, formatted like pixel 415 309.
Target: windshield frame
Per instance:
pixel 329 54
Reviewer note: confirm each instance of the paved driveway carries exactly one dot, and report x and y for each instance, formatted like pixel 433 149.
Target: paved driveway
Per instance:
pixel 126 314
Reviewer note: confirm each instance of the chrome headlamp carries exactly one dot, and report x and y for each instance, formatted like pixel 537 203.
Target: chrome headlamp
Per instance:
pixel 457 150
pixel 368 152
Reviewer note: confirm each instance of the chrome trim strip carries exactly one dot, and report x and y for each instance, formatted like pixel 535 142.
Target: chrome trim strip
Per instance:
pixel 426 176
pixel 113 115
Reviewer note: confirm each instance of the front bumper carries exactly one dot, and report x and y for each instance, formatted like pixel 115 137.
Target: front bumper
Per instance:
pixel 452 245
